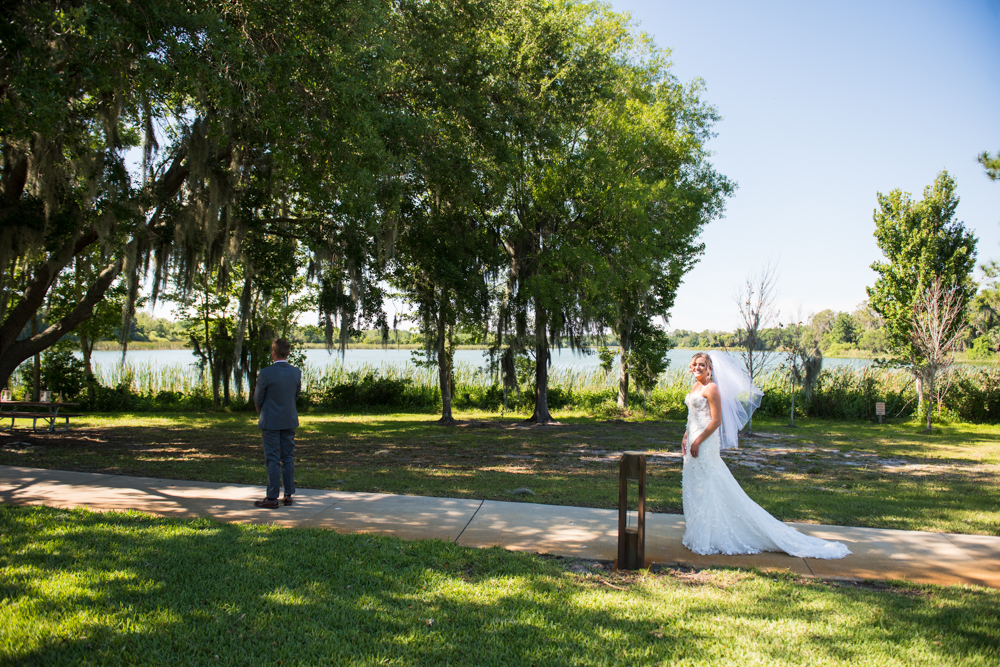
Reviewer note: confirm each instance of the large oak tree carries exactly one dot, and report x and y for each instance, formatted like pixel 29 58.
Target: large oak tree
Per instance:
pixel 241 112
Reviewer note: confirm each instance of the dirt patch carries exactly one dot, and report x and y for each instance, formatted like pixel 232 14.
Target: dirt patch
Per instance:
pixel 881 587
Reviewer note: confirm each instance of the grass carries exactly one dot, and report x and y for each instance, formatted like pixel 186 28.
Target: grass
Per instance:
pixel 80 588
pixel 840 473
pixel 115 346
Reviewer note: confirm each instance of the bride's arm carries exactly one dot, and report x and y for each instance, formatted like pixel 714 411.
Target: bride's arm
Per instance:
pixel 711 392
pixel 684 440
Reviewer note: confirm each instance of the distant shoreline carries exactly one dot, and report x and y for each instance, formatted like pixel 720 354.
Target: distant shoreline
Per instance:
pixel 110 346
pixel 107 346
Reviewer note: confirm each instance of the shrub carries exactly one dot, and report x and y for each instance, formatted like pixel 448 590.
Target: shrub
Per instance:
pixel 61 372
pixel 981 350
pixel 842 392
pixel 974 395
pixel 375 391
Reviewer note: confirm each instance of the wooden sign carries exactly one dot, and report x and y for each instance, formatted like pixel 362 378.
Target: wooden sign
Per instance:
pixel 880 409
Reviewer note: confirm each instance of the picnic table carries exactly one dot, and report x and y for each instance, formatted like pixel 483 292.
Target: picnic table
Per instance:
pixel 45 411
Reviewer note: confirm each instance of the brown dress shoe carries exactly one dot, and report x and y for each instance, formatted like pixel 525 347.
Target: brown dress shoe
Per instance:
pixel 287 500
pixel 267 503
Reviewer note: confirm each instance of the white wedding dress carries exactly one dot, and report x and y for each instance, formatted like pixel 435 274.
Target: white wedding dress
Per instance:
pixel 719 515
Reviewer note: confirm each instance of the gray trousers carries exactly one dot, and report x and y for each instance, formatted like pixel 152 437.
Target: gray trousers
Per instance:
pixel 279 446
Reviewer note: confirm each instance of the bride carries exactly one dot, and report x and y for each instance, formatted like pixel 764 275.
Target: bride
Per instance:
pixel 719 516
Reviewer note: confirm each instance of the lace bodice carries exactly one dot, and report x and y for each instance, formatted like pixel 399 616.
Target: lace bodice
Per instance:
pixel 698 409
pixel 699 417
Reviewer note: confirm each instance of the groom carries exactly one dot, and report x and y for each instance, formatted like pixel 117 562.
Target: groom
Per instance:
pixel 278 387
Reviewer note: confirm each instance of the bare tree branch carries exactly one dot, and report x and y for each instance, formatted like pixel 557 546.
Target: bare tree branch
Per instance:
pixel 757 309
pixel 936 326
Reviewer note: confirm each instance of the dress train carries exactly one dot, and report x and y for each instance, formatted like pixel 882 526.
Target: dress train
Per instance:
pixel 720 517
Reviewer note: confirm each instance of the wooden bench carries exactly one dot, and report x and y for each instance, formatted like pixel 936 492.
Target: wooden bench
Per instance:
pixel 14 410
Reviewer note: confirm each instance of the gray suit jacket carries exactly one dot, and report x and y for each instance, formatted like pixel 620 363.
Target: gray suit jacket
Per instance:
pixel 278 387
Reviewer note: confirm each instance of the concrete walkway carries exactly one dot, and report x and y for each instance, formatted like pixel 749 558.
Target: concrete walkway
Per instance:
pixel 932 558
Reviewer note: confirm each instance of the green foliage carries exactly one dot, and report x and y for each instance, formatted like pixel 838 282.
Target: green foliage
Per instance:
pixel 157 329
pixel 524 367
pixel 843 329
pixel 982 349
pixel 310 334
pixel 873 340
pixel 984 310
pixel 607 181
pixel 607 358
pixel 647 360
pixel 270 125
pixel 972 393
pixel 841 393
pixel 921 241
pixel 296 140
pixel 694 340
pixel 61 372
pixel 368 390
pixel 992 164
pixel 975 395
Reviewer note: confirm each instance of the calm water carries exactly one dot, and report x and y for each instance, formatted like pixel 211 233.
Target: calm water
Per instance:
pixel 561 359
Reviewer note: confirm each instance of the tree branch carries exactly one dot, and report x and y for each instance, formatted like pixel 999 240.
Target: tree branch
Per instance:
pixel 82 311
pixel 34 296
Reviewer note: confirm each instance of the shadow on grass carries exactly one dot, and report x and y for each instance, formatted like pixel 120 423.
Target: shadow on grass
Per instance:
pixel 573 464
pixel 127 588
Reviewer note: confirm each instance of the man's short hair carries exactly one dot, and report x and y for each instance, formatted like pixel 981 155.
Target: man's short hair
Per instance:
pixel 281 348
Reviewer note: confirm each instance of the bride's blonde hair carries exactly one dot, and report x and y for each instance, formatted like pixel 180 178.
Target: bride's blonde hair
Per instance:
pixel 708 362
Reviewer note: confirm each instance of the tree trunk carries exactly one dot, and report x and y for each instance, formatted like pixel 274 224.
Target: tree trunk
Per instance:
pixel 258 358
pixel 444 370
pixel 214 374
pixel 508 374
pixel 919 382
pixel 87 351
pixel 791 413
pixel 623 376
pixel 930 396
pixel 36 371
pixel 623 380
pixel 225 389
pixel 542 414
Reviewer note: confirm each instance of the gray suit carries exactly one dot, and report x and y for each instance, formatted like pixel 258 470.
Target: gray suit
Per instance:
pixel 278 387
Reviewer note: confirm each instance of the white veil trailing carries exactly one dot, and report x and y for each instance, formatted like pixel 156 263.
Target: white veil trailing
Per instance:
pixel 738 394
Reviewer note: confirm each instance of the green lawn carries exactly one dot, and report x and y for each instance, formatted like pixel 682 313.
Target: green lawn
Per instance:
pixel 80 588
pixel 856 474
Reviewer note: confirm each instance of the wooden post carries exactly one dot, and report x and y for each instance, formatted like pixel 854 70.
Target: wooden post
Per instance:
pixel 631 539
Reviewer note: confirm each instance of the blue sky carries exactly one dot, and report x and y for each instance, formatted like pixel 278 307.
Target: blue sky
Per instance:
pixel 823 105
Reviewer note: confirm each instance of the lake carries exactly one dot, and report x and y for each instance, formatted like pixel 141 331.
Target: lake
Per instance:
pixel 566 359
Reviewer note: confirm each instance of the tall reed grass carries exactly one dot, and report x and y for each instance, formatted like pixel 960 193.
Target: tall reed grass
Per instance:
pixel 149 379
pixel 843 392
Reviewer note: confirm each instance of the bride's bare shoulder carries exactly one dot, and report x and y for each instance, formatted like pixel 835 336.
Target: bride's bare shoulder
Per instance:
pixel 711 389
